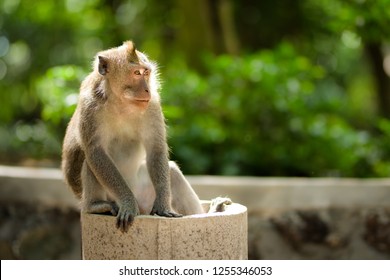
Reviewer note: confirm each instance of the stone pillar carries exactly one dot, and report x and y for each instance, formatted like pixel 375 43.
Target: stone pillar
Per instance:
pixel 220 235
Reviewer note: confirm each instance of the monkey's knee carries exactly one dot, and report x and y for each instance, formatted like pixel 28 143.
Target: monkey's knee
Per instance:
pixel 184 199
pixel 178 181
pixel 175 171
pixel 173 165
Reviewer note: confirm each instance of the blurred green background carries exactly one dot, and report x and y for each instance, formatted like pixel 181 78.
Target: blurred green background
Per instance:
pixel 263 88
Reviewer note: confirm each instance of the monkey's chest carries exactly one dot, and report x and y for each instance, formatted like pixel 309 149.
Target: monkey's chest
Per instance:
pixel 124 146
pixel 119 133
pixel 127 156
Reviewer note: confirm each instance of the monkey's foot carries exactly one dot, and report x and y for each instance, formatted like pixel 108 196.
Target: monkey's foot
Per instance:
pixel 165 213
pixel 219 204
pixel 102 207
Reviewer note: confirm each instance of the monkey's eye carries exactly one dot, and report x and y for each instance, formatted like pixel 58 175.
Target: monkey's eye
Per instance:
pixel 137 72
pixel 146 73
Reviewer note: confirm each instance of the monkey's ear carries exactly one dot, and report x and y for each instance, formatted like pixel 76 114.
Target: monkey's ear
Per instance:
pixel 103 65
pixel 133 56
pixel 131 52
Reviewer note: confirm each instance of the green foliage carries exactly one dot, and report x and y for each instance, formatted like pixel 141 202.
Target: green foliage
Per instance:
pixel 58 91
pixel 41 138
pixel 25 140
pixel 294 109
pixel 369 18
pixel 262 114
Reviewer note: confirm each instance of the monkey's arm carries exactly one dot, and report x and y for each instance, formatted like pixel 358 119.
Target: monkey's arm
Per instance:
pixel 109 177
pixel 158 167
pixel 157 161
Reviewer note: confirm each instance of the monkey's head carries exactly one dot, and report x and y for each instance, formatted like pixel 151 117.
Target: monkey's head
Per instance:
pixel 130 77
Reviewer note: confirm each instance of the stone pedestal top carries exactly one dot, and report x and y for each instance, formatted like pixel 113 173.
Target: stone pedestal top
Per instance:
pixel 220 235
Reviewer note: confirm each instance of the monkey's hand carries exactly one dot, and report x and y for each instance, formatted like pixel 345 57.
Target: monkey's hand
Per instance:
pixel 160 210
pixel 125 217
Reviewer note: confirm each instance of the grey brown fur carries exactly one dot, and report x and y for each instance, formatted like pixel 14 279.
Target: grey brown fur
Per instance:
pixel 115 156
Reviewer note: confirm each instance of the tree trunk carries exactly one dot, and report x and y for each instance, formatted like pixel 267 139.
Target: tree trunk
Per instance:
pixel 206 25
pixel 195 33
pixel 226 19
pixel 382 80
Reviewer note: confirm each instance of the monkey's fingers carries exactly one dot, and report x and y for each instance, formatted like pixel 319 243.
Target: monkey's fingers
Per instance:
pixel 124 221
pixel 175 215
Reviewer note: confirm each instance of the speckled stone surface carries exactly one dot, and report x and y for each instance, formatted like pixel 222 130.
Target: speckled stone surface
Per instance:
pixel 207 236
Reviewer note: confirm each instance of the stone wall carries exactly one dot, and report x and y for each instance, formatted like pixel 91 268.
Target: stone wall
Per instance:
pixel 288 218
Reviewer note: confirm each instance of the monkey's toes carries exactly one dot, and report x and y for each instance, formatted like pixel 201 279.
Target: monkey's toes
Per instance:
pixel 169 214
pixel 219 204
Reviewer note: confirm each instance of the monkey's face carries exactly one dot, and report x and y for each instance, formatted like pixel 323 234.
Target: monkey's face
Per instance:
pixel 129 75
pixel 135 85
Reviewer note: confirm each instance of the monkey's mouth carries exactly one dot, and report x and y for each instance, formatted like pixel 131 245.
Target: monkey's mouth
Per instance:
pixel 141 102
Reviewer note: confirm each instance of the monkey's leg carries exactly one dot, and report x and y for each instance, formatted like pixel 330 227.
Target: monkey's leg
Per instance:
pixel 184 199
pixel 143 190
pixel 94 196
pixel 159 170
pixel 71 166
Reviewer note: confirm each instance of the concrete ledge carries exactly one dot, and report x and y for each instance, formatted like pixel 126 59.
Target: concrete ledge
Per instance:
pixel 35 185
pixel 207 236
pixel 273 194
pixel 288 218
pixel 46 186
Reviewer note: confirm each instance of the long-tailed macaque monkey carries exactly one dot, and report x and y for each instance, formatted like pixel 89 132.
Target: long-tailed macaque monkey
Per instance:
pixel 115 155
